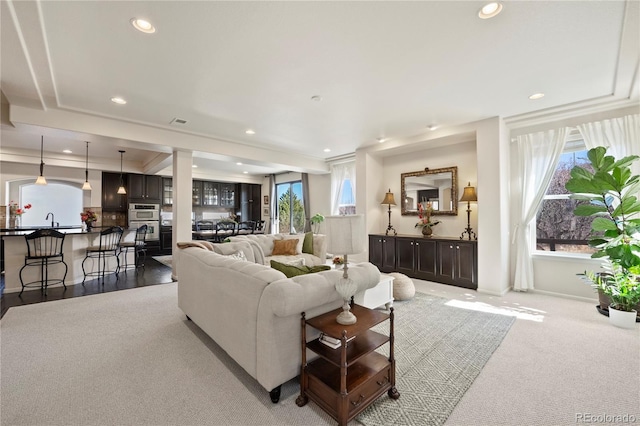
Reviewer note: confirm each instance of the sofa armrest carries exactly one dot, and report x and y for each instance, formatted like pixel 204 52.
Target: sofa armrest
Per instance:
pixel 291 296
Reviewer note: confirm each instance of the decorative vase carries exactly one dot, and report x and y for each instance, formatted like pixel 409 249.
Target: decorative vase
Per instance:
pixel 622 319
pixel 427 231
pixel 89 226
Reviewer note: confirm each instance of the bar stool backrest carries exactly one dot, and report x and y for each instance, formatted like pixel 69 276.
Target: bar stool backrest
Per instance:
pixel 246 227
pixel 110 238
pixel 229 227
pixel 141 235
pixel 44 243
pixel 204 225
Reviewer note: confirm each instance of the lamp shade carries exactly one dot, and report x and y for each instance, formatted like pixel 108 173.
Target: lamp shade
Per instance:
pixel 345 234
pixel 469 194
pixel 388 199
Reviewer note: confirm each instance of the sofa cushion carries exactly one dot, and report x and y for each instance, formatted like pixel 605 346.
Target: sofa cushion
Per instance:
pixel 244 247
pixel 307 244
pixel 285 247
pixel 294 271
pixel 299 238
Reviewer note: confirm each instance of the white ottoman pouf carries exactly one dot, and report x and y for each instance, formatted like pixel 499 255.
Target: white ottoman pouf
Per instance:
pixel 403 287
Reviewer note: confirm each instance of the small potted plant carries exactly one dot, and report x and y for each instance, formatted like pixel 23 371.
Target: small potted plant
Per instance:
pixel 316 220
pixel 337 261
pixel 89 217
pixel 424 216
pixel 623 288
pixel 608 195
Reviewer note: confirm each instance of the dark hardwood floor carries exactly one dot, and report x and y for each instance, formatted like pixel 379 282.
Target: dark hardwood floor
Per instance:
pixel 153 273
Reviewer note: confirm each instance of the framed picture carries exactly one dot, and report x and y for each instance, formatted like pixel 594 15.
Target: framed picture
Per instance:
pixel 266 200
pixel 265 211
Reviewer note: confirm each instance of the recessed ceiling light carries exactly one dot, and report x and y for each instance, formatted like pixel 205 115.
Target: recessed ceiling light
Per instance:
pixel 245 172
pixel 194 166
pixel 536 96
pixel 67 151
pixel 250 132
pixel 239 164
pixel 432 127
pixel 316 98
pixel 327 150
pixel 143 25
pixel 381 140
pixel 490 10
pixel 118 100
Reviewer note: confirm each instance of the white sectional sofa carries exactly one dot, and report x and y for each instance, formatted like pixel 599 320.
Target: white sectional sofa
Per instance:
pixel 266 241
pixel 253 311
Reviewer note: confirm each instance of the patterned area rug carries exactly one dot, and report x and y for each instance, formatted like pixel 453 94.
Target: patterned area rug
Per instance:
pixel 439 351
pixel 165 260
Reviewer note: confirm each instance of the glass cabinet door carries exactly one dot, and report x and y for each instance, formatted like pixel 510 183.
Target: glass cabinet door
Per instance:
pixel 167 191
pixel 210 194
pixel 227 194
pixel 196 192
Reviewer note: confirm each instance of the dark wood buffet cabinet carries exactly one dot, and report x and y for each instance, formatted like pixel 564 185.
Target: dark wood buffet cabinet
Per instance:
pixel 444 260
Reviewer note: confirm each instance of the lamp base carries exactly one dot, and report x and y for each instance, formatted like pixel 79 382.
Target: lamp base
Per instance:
pixel 346 318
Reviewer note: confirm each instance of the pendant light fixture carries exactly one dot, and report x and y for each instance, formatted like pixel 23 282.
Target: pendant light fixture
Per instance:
pixel 86 186
pixel 121 189
pixel 41 180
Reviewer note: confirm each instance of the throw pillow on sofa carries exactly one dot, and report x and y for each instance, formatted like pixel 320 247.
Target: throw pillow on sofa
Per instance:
pixel 285 247
pixel 292 271
pixel 239 255
pixel 299 238
pixel 307 244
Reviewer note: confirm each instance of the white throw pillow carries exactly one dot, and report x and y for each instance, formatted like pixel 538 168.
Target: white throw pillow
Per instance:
pixel 239 255
pixel 295 262
pixel 299 237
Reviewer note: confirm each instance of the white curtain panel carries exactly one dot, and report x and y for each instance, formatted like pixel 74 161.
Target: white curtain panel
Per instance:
pixel 539 154
pixel 339 172
pixel 621 136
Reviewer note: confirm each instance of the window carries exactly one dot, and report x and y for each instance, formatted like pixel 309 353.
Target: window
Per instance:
pixel 557 228
pixel 290 207
pixel 62 199
pixel 343 188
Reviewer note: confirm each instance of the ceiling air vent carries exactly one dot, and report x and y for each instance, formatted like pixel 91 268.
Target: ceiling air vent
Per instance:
pixel 178 121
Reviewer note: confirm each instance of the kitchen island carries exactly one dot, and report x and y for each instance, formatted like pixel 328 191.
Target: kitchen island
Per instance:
pixel 74 249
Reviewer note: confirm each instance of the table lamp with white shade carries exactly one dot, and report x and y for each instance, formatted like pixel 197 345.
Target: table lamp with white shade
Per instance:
pixel 345 236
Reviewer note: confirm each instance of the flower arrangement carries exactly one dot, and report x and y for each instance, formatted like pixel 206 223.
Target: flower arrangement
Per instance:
pixel 338 260
pixel 424 214
pixel 14 208
pixel 89 217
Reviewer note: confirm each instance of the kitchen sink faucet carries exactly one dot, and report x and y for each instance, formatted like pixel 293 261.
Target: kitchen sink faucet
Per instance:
pixel 53 224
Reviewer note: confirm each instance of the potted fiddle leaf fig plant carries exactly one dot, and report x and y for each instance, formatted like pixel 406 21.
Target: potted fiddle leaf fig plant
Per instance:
pixel 609 196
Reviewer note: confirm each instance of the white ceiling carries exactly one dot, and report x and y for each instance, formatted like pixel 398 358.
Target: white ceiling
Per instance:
pixel 383 70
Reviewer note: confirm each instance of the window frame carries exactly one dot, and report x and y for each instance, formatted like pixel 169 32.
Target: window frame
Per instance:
pixel 290 184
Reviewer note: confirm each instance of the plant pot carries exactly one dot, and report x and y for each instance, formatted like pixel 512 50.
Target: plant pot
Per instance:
pixel 622 319
pixel 426 231
pixel 604 300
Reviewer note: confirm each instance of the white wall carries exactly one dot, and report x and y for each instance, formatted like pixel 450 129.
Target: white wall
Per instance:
pixel 462 156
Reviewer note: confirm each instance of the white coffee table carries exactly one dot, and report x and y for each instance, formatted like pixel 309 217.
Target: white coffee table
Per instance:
pixel 382 294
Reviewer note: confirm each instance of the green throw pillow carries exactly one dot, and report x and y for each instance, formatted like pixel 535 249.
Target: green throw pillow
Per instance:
pixel 292 271
pixel 307 245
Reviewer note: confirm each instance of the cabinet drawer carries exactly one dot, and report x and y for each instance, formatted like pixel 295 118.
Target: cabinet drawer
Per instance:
pixel 369 391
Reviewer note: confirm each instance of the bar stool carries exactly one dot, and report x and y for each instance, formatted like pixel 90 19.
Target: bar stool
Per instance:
pixel 138 245
pixel 108 247
pixel 44 248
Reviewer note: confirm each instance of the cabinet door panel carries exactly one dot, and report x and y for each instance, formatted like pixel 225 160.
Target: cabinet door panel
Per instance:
pixel 136 188
pixel 388 254
pixel 425 259
pixel 465 261
pixel 404 255
pixel 153 189
pixel 446 261
pixel 375 250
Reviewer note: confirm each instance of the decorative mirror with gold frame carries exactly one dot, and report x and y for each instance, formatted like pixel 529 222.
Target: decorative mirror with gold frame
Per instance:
pixel 438 186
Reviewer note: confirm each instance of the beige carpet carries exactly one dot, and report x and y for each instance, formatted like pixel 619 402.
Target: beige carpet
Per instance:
pixel 80 362
pixel 165 260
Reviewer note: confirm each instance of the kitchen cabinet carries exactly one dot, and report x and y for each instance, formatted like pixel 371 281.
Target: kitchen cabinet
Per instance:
pixel 210 193
pixel 111 200
pixel 196 193
pixel 144 188
pixel 444 260
pixel 228 195
pixel 166 239
pixel 167 191
pixel 250 201
pixel 382 252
